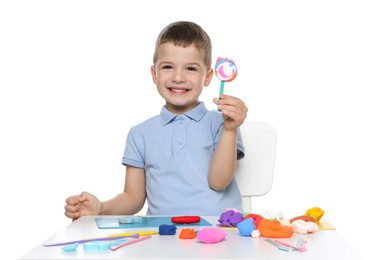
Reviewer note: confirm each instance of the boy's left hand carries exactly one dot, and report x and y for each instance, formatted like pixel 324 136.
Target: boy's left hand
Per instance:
pixel 233 109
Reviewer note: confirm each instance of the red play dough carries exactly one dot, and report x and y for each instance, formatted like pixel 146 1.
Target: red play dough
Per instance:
pixel 186 219
pixel 256 218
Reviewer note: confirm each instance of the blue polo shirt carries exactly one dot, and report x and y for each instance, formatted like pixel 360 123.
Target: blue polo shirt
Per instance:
pixel 176 151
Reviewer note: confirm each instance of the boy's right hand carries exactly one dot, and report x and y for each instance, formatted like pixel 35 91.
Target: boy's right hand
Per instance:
pixel 82 205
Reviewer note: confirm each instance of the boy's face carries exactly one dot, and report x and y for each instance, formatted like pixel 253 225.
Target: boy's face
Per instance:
pixel 180 75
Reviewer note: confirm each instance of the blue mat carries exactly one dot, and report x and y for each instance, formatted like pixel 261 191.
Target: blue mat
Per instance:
pixel 147 222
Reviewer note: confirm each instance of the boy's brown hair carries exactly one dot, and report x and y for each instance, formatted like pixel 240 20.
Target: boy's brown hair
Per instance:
pixel 184 34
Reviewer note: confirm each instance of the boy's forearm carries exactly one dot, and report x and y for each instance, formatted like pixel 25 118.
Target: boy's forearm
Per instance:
pixel 122 204
pixel 223 163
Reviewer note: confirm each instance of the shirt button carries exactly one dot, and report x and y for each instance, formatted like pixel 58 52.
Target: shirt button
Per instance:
pixel 180 141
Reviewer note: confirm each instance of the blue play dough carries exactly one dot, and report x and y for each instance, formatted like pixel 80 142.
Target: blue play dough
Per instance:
pixel 167 229
pixel 70 248
pixel 96 246
pixel 246 227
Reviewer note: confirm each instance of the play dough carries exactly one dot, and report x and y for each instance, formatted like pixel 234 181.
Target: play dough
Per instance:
pixel 274 229
pixel 211 235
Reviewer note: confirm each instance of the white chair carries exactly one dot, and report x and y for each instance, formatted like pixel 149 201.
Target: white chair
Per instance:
pixel 254 173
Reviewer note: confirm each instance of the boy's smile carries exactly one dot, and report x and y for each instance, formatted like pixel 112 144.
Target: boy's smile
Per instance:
pixel 180 75
pixel 178 90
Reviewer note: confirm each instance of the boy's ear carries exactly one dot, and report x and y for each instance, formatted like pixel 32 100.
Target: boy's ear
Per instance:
pixel 153 73
pixel 208 78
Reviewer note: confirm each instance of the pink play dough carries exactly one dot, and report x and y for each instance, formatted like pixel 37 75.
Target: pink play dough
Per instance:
pixel 211 235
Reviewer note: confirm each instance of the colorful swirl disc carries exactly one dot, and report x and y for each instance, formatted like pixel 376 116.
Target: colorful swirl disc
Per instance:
pixel 225 69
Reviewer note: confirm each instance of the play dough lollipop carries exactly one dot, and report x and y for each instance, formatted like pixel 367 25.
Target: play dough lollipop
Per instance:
pixel 225 70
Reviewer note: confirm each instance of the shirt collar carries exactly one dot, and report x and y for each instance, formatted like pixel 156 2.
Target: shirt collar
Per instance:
pixel 196 113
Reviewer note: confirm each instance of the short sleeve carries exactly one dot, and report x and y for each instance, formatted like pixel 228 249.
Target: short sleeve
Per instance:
pixel 133 154
pixel 240 146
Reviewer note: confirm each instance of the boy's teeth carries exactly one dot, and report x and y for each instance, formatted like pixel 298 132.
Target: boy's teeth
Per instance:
pixel 178 90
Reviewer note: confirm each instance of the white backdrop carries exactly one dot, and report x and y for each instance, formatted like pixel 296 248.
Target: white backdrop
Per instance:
pixel 74 77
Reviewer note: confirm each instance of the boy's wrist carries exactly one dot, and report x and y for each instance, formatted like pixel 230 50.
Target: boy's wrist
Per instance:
pixel 229 131
pixel 101 209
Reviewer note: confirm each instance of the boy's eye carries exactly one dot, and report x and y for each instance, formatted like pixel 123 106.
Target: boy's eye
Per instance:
pixel 166 67
pixel 191 69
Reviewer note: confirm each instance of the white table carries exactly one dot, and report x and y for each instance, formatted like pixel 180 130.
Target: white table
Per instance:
pixel 324 244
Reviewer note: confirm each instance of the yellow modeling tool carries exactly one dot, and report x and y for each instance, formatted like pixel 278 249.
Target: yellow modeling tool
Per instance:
pixel 140 233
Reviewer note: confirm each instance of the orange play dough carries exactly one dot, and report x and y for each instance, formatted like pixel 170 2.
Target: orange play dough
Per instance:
pixel 187 233
pixel 274 229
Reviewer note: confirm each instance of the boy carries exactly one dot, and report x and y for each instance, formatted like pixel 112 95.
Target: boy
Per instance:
pixel 183 160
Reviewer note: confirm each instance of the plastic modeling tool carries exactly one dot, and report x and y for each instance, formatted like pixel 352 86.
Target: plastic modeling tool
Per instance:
pixel 279 246
pixel 300 249
pixel 226 71
pixel 130 242
pixel 135 235
pixel 141 233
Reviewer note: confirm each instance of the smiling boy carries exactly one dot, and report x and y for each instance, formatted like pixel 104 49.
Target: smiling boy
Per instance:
pixel 184 159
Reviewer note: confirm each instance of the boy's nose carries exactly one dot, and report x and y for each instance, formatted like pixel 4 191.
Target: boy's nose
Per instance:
pixel 178 77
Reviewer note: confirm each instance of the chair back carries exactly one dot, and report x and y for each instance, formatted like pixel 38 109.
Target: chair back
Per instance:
pixel 254 173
